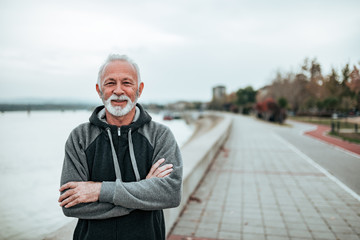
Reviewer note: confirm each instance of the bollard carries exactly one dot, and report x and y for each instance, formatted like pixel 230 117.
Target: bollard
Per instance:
pixel 356 127
pixel 332 127
pixel 338 126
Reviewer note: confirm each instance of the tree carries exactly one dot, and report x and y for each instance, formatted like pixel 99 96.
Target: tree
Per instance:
pixel 316 79
pixel 347 104
pixel 331 103
pixel 345 75
pixel 282 102
pixel 309 91
pixel 354 85
pixel 347 98
pixel 246 99
pixel 245 96
pixel 299 92
pixel 332 84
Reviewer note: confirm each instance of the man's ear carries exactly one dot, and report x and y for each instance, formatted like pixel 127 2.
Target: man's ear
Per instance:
pixel 98 90
pixel 141 87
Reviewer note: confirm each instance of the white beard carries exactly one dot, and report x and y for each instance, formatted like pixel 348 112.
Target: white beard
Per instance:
pixel 117 110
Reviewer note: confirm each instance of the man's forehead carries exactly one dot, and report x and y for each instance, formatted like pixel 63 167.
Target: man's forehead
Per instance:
pixel 119 67
pixel 119 64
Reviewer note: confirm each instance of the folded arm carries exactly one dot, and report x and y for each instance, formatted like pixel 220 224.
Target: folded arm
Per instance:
pixel 87 191
pixel 153 193
pixel 89 200
pixel 75 169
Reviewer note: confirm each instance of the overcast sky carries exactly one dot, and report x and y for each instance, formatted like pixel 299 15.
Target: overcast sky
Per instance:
pixel 53 49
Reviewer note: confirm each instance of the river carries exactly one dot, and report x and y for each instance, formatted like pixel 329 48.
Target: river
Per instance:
pixel 31 156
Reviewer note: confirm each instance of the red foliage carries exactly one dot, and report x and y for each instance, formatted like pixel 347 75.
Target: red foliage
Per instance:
pixel 267 104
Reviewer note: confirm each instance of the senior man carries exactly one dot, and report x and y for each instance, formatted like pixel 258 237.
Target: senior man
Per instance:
pixel 120 168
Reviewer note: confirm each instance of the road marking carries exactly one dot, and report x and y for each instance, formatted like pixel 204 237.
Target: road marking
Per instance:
pixel 313 127
pixel 333 145
pixel 321 169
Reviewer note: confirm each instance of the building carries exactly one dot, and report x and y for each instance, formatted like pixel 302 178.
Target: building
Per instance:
pixel 219 93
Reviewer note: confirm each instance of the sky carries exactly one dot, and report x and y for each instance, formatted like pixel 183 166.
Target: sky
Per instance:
pixel 52 50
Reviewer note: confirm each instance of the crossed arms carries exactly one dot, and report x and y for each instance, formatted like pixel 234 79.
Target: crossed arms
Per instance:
pixel 88 191
pixel 84 199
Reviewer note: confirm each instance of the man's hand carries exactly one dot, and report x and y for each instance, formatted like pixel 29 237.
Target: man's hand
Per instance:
pixel 79 192
pixel 160 172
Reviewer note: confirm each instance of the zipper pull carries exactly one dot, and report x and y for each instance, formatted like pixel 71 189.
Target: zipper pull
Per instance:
pixel 119 132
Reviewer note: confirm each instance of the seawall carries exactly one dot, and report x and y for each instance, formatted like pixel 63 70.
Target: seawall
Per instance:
pixel 211 131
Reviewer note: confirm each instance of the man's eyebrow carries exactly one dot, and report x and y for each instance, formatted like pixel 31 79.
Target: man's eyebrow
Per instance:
pixel 128 78
pixel 122 79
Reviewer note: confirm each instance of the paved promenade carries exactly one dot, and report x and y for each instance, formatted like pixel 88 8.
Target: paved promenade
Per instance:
pixel 261 187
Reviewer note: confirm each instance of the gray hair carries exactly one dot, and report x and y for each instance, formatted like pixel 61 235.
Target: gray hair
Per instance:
pixel 118 57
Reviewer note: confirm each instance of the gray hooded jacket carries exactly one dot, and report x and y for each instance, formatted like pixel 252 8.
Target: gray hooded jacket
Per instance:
pixel 130 206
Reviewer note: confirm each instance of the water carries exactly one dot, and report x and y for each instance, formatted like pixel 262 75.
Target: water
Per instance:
pixel 31 156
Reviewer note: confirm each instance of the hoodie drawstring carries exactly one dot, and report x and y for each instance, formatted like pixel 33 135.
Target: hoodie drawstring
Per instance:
pixel 116 162
pixel 132 157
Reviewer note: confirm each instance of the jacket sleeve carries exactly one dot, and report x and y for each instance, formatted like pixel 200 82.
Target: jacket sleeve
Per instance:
pixel 153 193
pixel 75 169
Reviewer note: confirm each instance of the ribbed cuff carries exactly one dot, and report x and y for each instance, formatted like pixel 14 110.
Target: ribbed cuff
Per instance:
pixel 107 192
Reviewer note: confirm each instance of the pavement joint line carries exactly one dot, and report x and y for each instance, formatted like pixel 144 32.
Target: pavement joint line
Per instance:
pixel 317 209
pixel 278 205
pixel 321 169
pixel 182 237
pixel 272 172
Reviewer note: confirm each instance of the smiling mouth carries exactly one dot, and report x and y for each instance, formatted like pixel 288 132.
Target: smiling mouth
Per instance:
pixel 118 101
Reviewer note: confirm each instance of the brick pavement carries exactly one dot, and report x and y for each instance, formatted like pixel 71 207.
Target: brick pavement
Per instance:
pixel 257 188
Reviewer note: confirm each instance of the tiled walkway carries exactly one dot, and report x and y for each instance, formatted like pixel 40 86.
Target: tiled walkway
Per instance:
pixel 259 188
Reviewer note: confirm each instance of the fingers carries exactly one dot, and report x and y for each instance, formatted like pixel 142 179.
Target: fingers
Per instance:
pixel 69 196
pixel 65 195
pixel 154 167
pixel 157 171
pixel 160 172
pixel 70 201
pixel 79 192
pixel 165 173
pixel 161 169
pixel 68 185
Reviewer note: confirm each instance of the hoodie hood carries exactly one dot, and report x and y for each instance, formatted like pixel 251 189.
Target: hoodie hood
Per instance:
pixel 143 118
pixel 123 131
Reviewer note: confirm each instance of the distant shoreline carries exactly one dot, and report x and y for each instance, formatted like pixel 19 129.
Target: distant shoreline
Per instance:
pixel 7 107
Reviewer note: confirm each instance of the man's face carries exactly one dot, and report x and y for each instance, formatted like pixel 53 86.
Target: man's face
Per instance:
pixel 119 86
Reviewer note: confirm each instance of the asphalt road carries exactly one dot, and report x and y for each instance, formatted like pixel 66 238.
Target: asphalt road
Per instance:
pixel 342 165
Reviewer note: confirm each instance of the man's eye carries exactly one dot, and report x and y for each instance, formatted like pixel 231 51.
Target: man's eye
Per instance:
pixel 109 83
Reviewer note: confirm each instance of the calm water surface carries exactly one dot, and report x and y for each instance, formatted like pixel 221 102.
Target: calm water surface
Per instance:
pixel 31 156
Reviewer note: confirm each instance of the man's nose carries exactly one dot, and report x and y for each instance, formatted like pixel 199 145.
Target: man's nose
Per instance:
pixel 118 90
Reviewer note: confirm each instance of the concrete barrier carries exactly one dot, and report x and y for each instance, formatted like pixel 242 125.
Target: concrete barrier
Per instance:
pixel 197 156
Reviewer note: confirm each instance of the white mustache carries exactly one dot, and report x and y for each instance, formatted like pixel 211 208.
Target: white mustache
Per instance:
pixel 121 98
